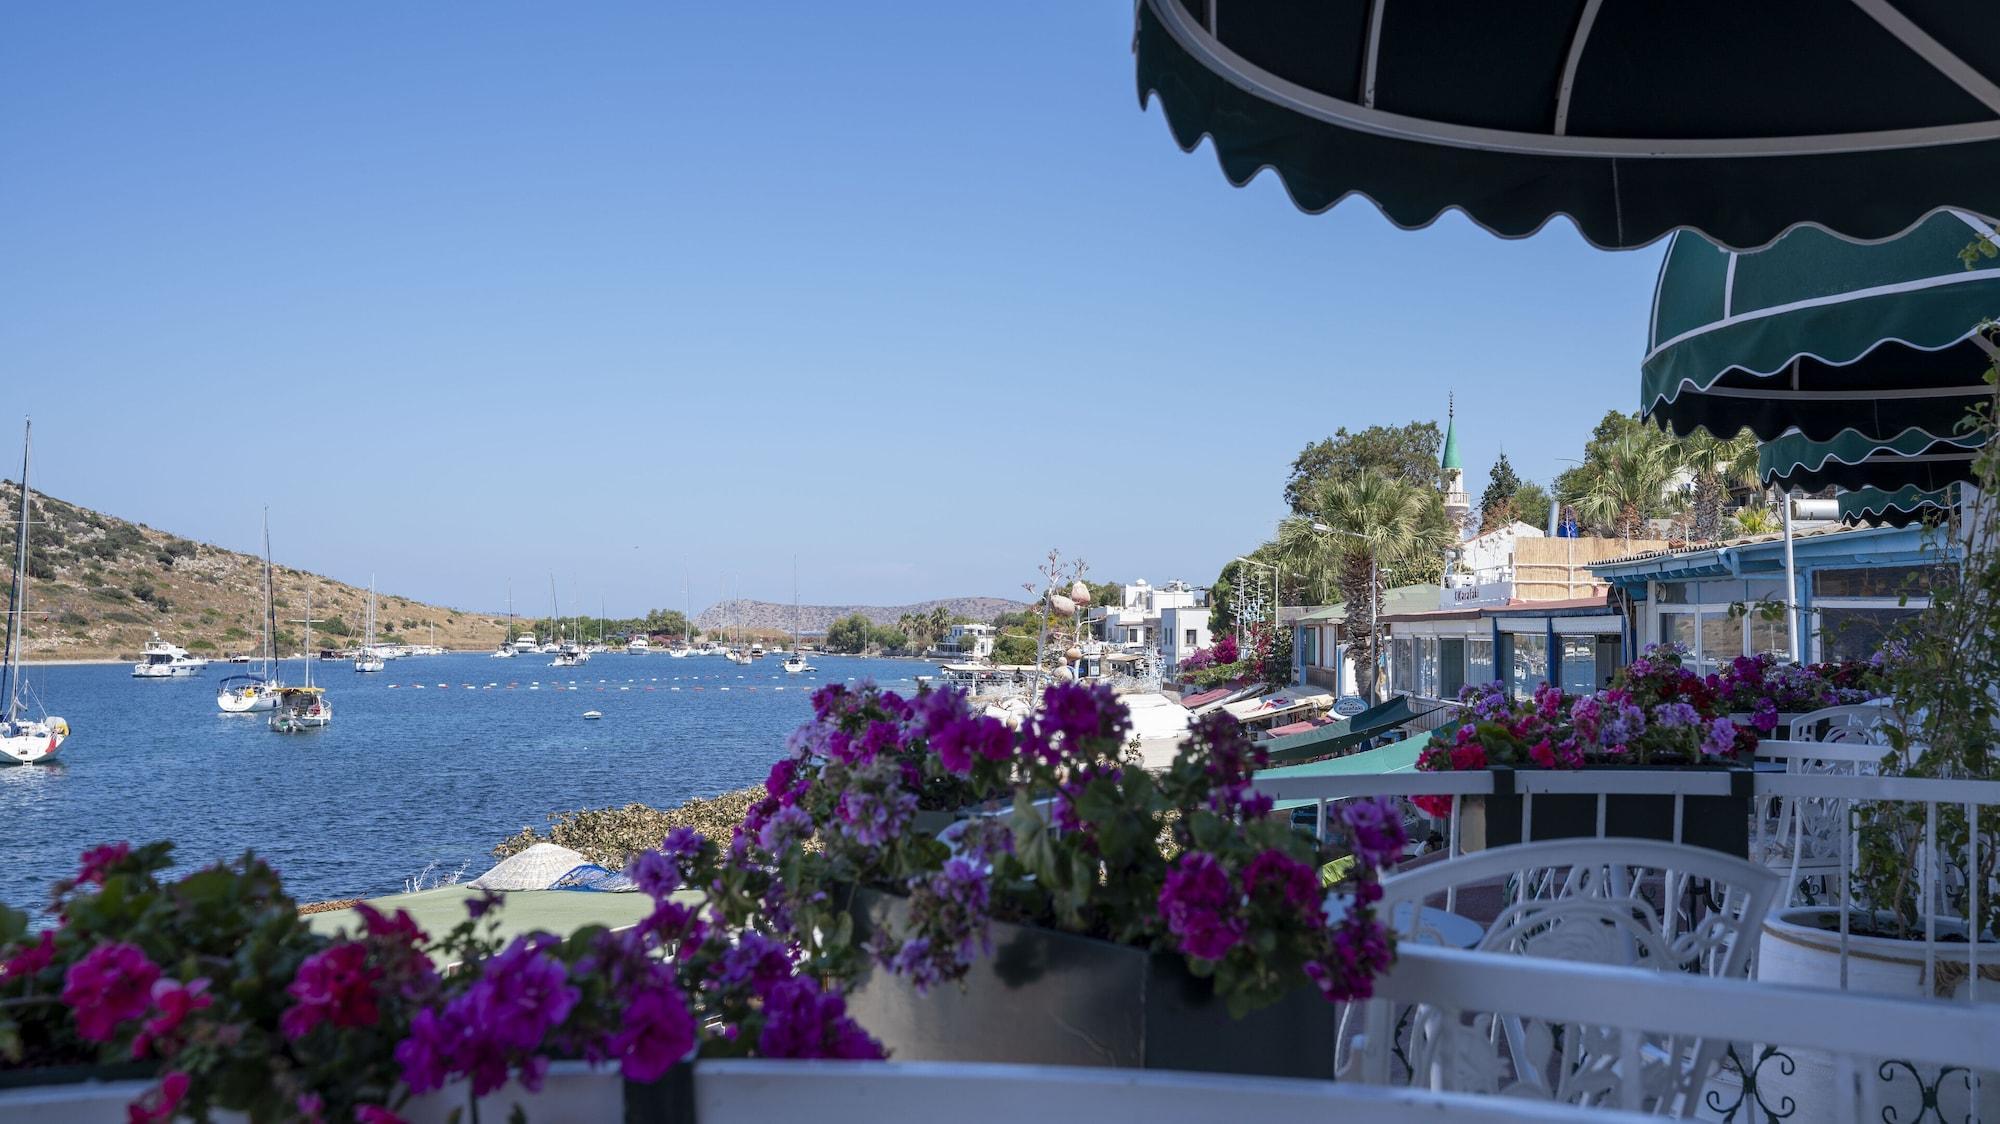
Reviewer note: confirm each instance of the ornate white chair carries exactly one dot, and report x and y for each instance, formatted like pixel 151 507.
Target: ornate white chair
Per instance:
pixel 1801 837
pixel 1621 902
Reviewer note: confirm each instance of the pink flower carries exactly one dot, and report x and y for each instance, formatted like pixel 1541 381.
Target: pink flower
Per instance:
pixel 1194 903
pixel 1543 754
pixel 112 984
pixel 335 985
pixel 98 860
pixel 174 1002
pixel 31 959
pixel 801 1021
pixel 375 1114
pixel 166 1100
pixel 658 1030
pixel 1294 880
pixel 312 1108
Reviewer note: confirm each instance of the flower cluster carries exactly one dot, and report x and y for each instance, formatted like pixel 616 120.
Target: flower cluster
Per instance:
pixel 1763 687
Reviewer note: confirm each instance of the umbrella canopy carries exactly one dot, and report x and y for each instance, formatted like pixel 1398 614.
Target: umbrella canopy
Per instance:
pixel 1912 459
pixel 1899 508
pixel 1740 120
pixel 1822 335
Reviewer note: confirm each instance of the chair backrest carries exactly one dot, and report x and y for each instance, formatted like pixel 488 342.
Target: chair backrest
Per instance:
pixel 1854 722
pixel 1616 902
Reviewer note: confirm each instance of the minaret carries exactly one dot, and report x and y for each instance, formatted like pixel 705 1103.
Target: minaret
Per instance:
pixel 1457 505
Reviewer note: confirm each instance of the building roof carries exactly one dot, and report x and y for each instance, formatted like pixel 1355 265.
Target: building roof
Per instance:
pixel 1450 459
pixel 1515 607
pixel 1402 599
pixel 1763 554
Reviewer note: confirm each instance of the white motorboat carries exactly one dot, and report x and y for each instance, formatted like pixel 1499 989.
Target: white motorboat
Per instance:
pixel 23 740
pixel 638 645
pixel 250 694
pixel 795 664
pixel 592 715
pixel 524 644
pixel 302 708
pixel 161 660
pixel 368 658
pixel 681 652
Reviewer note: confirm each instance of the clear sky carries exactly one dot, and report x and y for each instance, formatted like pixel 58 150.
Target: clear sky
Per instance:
pixel 470 293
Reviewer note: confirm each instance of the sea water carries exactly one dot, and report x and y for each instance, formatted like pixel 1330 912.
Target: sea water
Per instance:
pixel 427 764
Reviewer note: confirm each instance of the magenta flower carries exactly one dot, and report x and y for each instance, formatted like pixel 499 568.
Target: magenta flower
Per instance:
pixel 166 1100
pixel 658 1029
pixel 1195 905
pixel 1293 880
pixel 801 1021
pixel 174 1002
pixel 375 1114
pixel 32 958
pixel 335 985
pixel 522 994
pixel 112 984
pixel 1375 832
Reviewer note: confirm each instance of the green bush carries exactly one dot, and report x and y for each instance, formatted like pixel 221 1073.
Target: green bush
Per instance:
pixel 200 646
pixel 1217 676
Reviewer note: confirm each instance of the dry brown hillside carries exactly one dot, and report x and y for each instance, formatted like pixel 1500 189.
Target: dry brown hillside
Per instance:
pixel 100 586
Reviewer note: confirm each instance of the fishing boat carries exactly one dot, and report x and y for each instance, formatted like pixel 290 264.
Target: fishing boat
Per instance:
pixel 306 707
pixel 23 740
pixel 795 664
pixel 161 660
pixel 368 659
pixel 249 694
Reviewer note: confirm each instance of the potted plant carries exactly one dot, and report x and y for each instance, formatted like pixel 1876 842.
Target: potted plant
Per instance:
pixel 1094 913
pixel 1657 714
pixel 215 989
pixel 1939 668
pixel 1760 692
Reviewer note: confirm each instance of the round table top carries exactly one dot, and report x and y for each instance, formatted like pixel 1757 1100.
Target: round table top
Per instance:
pixel 1436 926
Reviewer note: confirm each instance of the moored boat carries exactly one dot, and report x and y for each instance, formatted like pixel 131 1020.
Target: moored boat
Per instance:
pixel 23 740
pixel 161 660
pixel 305 707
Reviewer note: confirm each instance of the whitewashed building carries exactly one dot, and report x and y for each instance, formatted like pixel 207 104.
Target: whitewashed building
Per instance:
pixel 1137 619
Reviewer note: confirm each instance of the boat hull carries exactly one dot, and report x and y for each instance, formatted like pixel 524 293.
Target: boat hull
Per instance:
pixel 165 671
pixel 246 702
pixel 33 742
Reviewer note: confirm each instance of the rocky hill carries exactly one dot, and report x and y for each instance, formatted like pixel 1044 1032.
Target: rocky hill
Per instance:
pixel 773 617
pixel 100 586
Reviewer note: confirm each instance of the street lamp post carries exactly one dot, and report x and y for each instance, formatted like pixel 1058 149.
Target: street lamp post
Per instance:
pixel 1374 604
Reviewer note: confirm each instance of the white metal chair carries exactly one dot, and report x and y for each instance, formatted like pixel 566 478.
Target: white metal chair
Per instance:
pixel 1610 901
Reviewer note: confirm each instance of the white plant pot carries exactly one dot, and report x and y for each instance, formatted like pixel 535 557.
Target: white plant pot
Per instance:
pixel 1801 947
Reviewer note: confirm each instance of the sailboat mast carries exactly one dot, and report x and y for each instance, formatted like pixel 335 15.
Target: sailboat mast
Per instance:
pixel 308 622
pixel 270 612
pixel 17 595
pixel 795 604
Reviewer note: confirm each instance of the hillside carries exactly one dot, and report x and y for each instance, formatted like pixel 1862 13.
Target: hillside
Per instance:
pixel 769 616
pixel 100 586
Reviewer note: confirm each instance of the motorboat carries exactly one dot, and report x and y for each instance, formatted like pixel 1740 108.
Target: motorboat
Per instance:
pixel 161 660
pixel 305 707
pixel 638 645
pixel 592 715
pixel 738 656
pixel 23 740
pixel 795 664
pixel 680 652
pixel 524 644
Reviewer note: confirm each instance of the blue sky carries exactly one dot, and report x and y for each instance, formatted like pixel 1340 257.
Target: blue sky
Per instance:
pixel 913 291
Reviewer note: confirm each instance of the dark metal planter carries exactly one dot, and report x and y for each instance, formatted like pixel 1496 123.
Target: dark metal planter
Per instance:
pixel 670 1100
pixel 1720 823
pixel 1051 998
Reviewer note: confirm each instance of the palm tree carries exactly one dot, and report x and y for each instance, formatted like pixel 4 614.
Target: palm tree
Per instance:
pixel 1372 523
pixel 1718 466
pixel 1625 481
pixel 938 623
pixel 1757 521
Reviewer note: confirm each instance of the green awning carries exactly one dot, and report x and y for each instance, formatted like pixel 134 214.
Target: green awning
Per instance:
pixel 1336 736
pixel 1912 459
pixel 1631 120
pixel 1898 508
pixel 1821 335
pixel 1397 757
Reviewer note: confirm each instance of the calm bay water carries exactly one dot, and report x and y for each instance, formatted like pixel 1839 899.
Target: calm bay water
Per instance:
pixel 424 763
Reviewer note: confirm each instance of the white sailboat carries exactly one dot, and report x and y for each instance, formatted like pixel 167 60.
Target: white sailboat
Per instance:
pixel 248 694
pixel 368 659
pixel 23 740
pixel 685 648
pixel 795 664
pixel 303 708
pixel 506 651
pixel 566 653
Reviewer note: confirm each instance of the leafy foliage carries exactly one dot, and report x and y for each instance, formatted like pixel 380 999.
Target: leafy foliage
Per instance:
pixel 1405 452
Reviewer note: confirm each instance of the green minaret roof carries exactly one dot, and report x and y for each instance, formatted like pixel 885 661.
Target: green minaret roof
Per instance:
pixel 1450 460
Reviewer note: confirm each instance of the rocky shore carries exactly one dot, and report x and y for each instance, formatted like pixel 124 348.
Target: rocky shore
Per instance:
pixel 608 836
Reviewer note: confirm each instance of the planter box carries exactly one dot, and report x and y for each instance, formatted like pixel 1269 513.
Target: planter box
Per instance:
pixel 84 1094
pixel 1052 998
pixel 1801 946
pixel 1720 823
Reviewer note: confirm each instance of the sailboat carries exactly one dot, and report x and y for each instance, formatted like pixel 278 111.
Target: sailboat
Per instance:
pixel 506 650
pixel 23 741
pixel 566 652
pixel 795 664
pixel 303 708
pixel 368 659
pixel 246 694
pixel 685 648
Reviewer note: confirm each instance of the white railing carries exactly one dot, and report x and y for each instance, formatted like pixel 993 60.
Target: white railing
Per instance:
pixel 1794 796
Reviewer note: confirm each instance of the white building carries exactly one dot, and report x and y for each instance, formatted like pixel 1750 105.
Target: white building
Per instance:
pixel 1137 621
pixel 1183 628
pixel 973 640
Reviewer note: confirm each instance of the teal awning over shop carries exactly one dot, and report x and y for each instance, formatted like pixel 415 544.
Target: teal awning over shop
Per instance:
pixel 1822 335
pixel 1397 757
pixel 1630 120
pixel 1337 736
pixel 1898 508
pixel 1912 459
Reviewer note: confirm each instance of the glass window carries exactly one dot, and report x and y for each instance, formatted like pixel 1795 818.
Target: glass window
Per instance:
pixel 1451 666
pixel 1479 661
pixel 1721 638
pixel 1402 666
pixel 1677 628
pixel 1579 664
pixel 1427 666
pixel 1769 636
pixel 1610 656
pixel 1312 635
pixel 1856 634
pixel 1879 581
pixel 1673 593
pixel 1530 665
